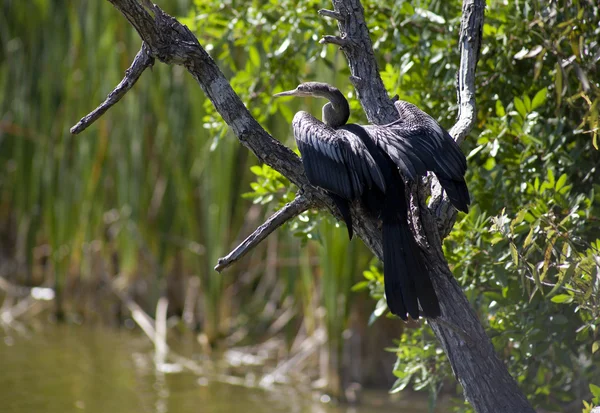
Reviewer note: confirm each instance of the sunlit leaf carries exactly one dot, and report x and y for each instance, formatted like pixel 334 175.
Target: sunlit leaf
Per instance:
pixel 514 253
pixel 500 108
pixel 558 84
pixel 520 107
pixel 595 390
pixel 539 99
pixel 562 299
pixel 564 277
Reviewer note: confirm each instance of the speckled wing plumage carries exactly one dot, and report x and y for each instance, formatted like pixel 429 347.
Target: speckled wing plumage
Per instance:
pixel 417 143
pixel 335 160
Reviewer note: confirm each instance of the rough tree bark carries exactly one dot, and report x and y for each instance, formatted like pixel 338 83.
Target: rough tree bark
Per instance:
pixel 485 380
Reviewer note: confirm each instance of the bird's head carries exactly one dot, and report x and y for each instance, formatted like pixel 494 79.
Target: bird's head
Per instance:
pixel 314 89
pixel 335 112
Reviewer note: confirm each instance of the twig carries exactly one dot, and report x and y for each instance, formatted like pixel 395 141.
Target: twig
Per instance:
pixel 549 284
pixel 160 337
pixel 331 14
pixel 142 61
pixel 289 211
pixel 341 42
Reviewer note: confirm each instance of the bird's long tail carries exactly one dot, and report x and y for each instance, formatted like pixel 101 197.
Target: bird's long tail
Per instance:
pixel 344 208
pixel 406 278
pixel 457 192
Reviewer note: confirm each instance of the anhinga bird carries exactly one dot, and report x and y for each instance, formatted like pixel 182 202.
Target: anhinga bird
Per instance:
pixel 364 162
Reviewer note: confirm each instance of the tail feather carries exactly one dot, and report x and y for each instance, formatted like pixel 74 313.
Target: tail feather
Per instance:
pixel 400 290
pixel 457 192
pixel 344 208
pixel 406 279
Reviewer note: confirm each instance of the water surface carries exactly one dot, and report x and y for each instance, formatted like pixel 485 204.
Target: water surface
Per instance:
pixel 96 369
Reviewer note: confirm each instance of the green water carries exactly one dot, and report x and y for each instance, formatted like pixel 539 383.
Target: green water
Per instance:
pixel 75 368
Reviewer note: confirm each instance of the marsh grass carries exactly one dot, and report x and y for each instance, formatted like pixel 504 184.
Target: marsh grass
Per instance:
pixel 148 198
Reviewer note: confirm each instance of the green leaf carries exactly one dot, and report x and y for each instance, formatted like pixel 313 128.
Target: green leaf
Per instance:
pixel 562 299
pixel 529 238
pixel 379 310
pixel 514 253
pixel 254 57
pixel 520 217
pixel 520 107
pixel 500 109
pixel 558 84
pixel 401 384
pixel 536 279
pixel 595 390
pixel 561 182
pixel 539 99
pixel 256 170
pixel 362 285
pixel 283 47
pixel 547 257
pixel 550 178
pixel 595 346
pixel 527 103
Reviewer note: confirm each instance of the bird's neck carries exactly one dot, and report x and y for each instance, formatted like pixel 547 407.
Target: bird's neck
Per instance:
pixel 337 111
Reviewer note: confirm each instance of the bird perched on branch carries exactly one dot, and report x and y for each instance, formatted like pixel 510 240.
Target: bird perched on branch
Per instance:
pixel 368 163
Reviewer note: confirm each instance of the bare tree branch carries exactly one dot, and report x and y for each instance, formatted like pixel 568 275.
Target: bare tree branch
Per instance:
pixel 363 66
pixel 173 43
pixel 470 44
pixel 330 13
pixel 141 62
pixel 334 40
pixel 289 211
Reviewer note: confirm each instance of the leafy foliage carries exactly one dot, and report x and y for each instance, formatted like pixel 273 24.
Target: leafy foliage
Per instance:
pixel 527 253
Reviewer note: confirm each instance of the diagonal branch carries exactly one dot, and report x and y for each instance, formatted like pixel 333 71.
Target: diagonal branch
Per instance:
pixel 173 43
pixel 289 211
pixel 141 62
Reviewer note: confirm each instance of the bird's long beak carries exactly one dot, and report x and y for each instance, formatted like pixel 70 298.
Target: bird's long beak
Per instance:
pixel 294 92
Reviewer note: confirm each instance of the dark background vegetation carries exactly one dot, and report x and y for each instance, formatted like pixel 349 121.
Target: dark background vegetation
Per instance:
pixel 149 198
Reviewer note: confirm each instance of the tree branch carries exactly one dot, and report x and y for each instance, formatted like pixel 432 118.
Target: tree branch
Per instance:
pixel 330 13
pixel 141 62
pixel 173 43
pixel 289 211
pixel 363 66
pixel 470 45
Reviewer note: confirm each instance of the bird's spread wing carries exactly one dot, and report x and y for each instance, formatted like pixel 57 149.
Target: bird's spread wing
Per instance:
pixel 432 143
pixel 335 160
pixel 399 150
pixel 417 143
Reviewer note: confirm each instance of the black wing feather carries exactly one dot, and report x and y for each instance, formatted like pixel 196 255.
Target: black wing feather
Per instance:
pixel 421 144
pixel 335 160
